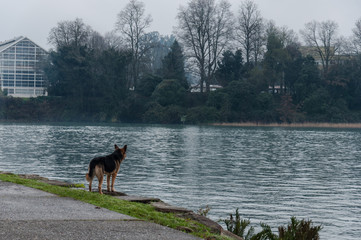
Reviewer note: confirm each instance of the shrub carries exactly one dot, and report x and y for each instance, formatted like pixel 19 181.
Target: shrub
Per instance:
pixel 169 92
pixel 238 226
pixel 148 85
pixel 202 115
pixel 159 114
pixel 296 230
pixel 299 230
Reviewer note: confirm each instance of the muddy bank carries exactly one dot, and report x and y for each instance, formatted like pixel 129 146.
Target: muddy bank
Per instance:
pixel 295 125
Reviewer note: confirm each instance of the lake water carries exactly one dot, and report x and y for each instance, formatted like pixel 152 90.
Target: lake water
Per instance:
pixel 270 174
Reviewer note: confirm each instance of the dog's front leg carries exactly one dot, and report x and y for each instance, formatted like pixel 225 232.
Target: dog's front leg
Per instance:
pixel 108 182
pixel 114 175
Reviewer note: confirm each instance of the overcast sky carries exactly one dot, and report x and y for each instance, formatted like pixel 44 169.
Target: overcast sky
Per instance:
pixel 35 18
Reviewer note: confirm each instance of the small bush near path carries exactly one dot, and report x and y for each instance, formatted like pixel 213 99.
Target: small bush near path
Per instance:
pixel 296 230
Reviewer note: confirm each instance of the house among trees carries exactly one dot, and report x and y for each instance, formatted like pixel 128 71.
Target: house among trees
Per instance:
pixel 197 87
pixel 312 51
pixel 21 73
pixel 334 57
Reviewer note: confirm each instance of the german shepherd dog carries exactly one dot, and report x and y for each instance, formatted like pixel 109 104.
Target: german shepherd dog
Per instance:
pixel 108 165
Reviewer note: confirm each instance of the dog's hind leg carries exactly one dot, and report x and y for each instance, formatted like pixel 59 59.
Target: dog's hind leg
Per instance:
pixel 100 175
pixel 108 182
pixel 90 186
pixel 100 184
pixel 90 180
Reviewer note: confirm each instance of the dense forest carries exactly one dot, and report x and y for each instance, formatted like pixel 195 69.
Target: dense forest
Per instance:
pixel 219 66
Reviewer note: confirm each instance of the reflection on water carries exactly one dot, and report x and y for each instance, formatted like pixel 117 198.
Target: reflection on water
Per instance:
pixel 270 174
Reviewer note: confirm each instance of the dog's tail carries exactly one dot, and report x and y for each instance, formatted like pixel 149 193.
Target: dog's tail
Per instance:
pixel 90 175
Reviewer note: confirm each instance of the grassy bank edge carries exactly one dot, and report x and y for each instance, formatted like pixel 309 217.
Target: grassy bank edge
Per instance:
pixel 141 211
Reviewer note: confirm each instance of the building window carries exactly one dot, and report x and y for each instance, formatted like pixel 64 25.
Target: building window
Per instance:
pixel 39 92
pixel 24 91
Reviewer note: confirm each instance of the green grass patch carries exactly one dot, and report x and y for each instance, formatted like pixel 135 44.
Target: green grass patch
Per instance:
pixel 141 211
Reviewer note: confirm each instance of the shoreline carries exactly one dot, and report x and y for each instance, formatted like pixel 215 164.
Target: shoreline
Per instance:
pixel 225 124
pixel 210 227
pixel 290 125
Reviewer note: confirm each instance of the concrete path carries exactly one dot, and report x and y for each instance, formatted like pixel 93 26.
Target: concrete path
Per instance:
pixel 27 213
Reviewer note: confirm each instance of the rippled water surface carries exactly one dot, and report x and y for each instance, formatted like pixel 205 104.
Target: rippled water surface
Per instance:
pixel 270 174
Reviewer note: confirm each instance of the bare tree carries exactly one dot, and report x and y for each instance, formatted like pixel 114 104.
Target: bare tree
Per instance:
pixel 322 36
pixel 249 30
pixel 205 29
pixel 357 35
pixel 70 33
pixel 112 40
pixel 132 23
pixel 259 41
pixel 156 47
pixel 96 41
pixel 148 43
pixel 288 37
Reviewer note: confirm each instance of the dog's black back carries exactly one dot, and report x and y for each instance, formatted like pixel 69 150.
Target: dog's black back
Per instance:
pixel 108 163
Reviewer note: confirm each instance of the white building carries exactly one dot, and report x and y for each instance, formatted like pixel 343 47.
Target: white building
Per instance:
pixel 197 88
pixel 20 71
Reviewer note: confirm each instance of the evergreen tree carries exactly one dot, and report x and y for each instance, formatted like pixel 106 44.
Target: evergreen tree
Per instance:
pixel 307 79
pixel 173 65
pixel 354 84
pixel 229 67
pixel 275 60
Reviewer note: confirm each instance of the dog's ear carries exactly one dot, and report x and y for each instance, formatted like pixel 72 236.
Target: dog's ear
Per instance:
pixel 125 148
pixel 116 147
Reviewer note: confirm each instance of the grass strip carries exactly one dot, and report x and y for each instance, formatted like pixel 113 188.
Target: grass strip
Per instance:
pixel 141 211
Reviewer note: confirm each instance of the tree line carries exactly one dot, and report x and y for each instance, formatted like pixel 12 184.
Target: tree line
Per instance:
pixel 266 73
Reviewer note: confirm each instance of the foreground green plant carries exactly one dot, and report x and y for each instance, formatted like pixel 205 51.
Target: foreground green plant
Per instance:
pixel 204 211
pixel 299 230
pixel 138 210
pixel 238 226
pixel 296 230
